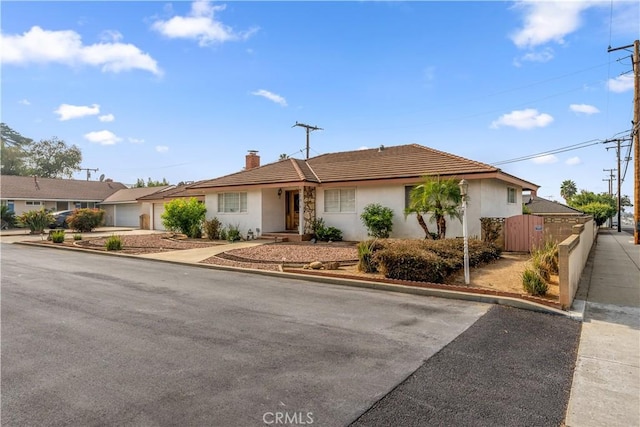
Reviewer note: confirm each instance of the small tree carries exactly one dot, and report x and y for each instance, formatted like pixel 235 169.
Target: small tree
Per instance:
pixel 86 219
pixel 184 216
pixel 378 220
pixel 568 189
pixel 439 197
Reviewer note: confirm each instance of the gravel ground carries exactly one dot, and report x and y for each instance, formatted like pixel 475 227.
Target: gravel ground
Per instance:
pixel 150 243
pixel 297 253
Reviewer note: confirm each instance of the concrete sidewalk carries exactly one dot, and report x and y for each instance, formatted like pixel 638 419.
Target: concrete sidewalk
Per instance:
pixel 606 382
pixel 199 254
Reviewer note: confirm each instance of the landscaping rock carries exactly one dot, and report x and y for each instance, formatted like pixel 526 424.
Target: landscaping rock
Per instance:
pixel 332 265
pixel 316 265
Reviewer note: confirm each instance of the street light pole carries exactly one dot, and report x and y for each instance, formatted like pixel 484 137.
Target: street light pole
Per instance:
pixel 464 186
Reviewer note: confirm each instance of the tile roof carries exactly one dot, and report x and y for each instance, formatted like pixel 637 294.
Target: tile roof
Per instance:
pixel 30 188
pixel 402 161
pixel 170 193
pixel 538 205
pixel 132 194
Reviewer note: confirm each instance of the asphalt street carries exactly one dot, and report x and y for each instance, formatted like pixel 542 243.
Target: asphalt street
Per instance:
pixel 511 368
pixel 97 340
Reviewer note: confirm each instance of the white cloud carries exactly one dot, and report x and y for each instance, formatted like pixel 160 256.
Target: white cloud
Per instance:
pixel 544 55
pixel 545 160
pixel 111 36
pixel 136 140
pixel 68 112
pixel 583 109
pixel 572 161
pixel 271 96
pixel 364 147
pixel 162 148
pixel 547 21
pixel 523 119
pixel 65 47
pixel 200 24
pixel 621 83
pixel 24 102
pixel 107 118
pixel 102 137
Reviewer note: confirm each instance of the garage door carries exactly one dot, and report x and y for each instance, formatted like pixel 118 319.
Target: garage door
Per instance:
pixel 127 215
pixel 158 210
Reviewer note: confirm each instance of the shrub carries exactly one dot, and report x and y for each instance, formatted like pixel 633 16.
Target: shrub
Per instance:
pixel 85 220
pixel 378 220
pixel 37 221
pixel 365 256
pixel 77 236
pixel 324 233
pixel 212 228
pixel 184 216
pixel 406 262
pixel 7 216
pixel 233 234
pixel 533 283
pixel 223 233
pixel 57 236
pixel 114 243
pixel 546 259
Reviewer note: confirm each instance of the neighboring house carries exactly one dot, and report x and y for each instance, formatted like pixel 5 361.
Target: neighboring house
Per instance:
pixel 153 204
pixel 122 208
pixel 289 194
pixel 26 193
pixel 558 218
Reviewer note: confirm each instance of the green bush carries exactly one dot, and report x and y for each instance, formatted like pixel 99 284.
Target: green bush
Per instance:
pixel 233 233
pixel 77 236
pixel 324 233
pixel 7 216
pixel 533 283
pixel 114 243
pixel 184 216
pixel 223 233
pixel 57 236
pixel 378 220
pixel 545 259
pixel 37 221
pixel 212 228
pixel 86 219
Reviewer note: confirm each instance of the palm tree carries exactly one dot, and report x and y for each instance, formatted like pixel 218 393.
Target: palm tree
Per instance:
pixel 439 197
pixel 568 189
pixel 283 156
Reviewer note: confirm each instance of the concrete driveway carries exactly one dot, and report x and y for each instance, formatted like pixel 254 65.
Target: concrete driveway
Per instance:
pixel 90 340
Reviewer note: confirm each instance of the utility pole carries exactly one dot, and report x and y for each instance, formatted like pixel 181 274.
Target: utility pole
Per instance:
pixel 619 198
pixel 89 172
pixel 309 129
pixel 635 135
pixel 610 180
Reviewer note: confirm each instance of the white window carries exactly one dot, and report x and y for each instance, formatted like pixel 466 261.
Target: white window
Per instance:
pixel 33 203
pixel 232 202
pixel 340 200
pixel 84 205
pixel 511 195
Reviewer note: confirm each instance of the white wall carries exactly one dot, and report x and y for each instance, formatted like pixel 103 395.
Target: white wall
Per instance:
pixel 487 198
pixel 251 219
pixel 273 210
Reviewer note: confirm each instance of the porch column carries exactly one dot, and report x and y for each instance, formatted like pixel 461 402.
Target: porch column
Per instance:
pixel 308 212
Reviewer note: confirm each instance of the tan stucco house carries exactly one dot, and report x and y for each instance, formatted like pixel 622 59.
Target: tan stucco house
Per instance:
pixel 26 193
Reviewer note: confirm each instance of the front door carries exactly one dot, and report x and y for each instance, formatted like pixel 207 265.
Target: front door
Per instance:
pixel 292 218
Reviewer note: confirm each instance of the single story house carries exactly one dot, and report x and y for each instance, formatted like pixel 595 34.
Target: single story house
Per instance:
pixel 26 193
pixel 122 208
pixel 287 195
pixel 559 218
pixel 152 205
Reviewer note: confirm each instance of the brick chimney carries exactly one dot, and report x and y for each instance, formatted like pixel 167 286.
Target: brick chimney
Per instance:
pixel 252 160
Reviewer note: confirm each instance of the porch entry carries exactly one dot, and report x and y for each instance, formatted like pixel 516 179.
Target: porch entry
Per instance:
pixel 523 233
pixel 292 209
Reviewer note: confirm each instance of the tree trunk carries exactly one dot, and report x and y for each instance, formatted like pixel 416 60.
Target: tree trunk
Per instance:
pixel 427 234
pixel 442 227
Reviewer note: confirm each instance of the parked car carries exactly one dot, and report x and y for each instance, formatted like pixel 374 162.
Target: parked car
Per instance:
pixel 60 219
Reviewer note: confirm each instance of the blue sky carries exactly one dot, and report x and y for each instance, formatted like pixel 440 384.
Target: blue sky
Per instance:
pixel 182 90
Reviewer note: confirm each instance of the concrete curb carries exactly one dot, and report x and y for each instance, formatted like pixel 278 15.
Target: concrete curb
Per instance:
pixel 389 287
